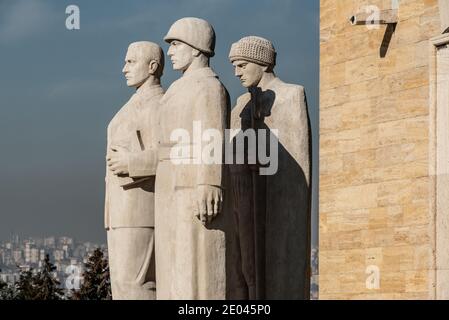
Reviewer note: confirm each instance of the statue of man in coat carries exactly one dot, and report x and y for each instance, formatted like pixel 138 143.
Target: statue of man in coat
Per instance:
pixel 271 212
pixel 129 207
pixel 190 236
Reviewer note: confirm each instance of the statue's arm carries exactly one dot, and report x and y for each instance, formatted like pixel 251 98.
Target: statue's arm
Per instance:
pixel 303 134
pixel 143 164
pixel 212 109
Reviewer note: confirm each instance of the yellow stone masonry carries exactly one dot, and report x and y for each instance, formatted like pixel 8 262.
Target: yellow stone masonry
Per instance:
pixel 375 185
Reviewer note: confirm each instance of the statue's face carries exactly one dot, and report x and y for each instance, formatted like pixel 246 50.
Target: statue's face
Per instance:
pixel 136 69
pixel 249 73
pixel 181 55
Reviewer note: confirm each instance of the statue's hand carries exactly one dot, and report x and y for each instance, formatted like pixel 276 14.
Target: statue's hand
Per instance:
pixel 208 204
pixel 117 160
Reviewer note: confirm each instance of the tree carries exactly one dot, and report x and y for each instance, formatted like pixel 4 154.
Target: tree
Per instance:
pixel 25 287
pixel 40 285
pixel 48 287
pixel 7 292
pixel 2 283
pixel 96 280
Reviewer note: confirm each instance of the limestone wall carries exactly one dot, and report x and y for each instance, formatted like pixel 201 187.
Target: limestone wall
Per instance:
pixel 377 190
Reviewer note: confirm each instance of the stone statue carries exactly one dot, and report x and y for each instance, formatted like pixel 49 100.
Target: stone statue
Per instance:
pixel 271 212
pixel 190 236
pixel 129 205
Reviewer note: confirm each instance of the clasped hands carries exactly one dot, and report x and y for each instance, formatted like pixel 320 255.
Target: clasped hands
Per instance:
pixel 117 160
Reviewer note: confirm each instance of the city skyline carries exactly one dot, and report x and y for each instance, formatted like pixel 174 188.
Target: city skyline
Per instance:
pixel 68 255
pixel 63 258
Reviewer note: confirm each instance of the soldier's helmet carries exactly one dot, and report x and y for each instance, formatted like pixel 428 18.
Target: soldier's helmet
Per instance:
pixel 196 32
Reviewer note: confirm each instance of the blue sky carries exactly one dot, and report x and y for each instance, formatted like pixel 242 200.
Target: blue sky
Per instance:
pixel 60 88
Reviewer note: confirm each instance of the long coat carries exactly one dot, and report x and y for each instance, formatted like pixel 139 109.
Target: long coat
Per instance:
pixel 129 199
pixel 281 200
pixel 190 257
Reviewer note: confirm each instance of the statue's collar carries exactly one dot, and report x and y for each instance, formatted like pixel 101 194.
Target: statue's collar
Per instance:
pixel 199 73
pixel 149 90
pixel 270 84
pixel 186 79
